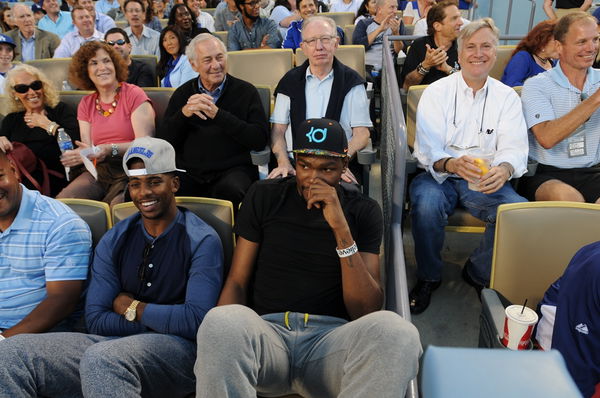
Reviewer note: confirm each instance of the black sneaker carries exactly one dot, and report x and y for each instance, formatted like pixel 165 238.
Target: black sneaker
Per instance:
pixel 467 278
pixel 420 295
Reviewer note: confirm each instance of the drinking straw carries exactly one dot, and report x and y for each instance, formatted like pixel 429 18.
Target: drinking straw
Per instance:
pixel 524 304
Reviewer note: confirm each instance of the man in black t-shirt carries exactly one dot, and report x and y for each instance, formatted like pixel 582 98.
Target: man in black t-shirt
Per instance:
pixel 307 263
pixel 564 7
pixel 434 56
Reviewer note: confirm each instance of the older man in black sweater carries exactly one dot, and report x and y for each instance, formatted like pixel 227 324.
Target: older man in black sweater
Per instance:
pixel 214 121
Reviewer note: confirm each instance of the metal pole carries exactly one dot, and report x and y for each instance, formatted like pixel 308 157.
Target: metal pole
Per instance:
pixel 532 14
pixel 508 15
pixel 472 10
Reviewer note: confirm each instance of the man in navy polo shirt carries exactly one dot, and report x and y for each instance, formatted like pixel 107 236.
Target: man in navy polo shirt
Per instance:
pixel 570 321
pixel 154 277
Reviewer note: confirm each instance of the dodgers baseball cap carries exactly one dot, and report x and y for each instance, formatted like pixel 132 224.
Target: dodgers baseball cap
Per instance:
pixel 158 157
pixel 321 137
pixel 7 40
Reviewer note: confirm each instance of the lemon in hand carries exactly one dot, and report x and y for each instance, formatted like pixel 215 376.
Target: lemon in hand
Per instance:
pixel 482 165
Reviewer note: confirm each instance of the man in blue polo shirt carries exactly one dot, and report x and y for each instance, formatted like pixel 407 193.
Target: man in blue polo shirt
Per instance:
pixel 44 257
pixel 561 111
pixel 55 21
pixel 154 277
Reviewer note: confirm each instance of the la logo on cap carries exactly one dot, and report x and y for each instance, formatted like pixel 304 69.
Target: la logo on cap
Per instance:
pixel 316 135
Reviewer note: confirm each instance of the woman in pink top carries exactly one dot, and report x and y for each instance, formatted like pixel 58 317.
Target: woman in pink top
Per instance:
pixel 110 118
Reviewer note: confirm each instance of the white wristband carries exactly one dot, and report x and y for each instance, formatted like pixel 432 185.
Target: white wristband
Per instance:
pixel 347 252
pixel 2 337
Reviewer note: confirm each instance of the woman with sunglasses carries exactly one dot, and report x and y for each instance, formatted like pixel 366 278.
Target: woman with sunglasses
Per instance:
pixel 109 120
pixel 173 68
pixel 35 116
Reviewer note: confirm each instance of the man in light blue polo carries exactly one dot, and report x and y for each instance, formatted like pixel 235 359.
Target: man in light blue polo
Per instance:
pixel 104 6
pixel 561 110
pixel 55 21
pixel 44 256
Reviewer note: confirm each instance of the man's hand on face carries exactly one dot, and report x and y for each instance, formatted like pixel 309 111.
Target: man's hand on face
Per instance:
pixel 201 105
pixel 323 196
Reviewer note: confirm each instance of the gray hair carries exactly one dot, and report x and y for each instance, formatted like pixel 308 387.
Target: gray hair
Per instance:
pixel 190 50
pixel 379 3
pixel 21 5
pixel 318 18
pixel 473 27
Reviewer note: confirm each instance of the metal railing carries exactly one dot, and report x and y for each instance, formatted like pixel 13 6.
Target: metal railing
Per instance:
pixel 393 181
pixel 508 14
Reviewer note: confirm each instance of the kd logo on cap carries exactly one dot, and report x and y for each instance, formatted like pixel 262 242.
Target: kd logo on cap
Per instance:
pixel 316 135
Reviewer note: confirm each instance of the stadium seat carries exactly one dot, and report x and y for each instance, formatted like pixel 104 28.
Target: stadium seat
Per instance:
pixel 476 372
pixel 151 61
pixel 261 158
pixel 122 24
pixel 340 18
pixel 409 29
pixel 55 69
pixel 222 34
pixel 352 56
pixel 503 55
pixel 95 213
pixel 215 212
pixel 73 97
pixel 164 22
pixel 160 97
pixel 534 243
pixel 348 32
pixel 211 11
pixel 261 67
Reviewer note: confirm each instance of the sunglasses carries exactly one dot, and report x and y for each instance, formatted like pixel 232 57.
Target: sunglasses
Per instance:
pixel 119 42
pixel 23 88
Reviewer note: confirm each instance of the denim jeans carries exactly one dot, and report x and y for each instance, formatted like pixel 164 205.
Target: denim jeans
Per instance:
pixel 76 364
pixel 432 203
pixel 241 353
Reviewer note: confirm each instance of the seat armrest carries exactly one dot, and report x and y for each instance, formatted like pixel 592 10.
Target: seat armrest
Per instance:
pixel 367 155
pixel 411 164
pixel 490 303
pixel 531 167
pixel 260 158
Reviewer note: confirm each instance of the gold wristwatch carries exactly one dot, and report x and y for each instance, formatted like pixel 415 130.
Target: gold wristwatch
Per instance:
pixel 131 311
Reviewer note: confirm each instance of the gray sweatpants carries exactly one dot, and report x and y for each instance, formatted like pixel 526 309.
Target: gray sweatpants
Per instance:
pixel 76 364
pixel 241 353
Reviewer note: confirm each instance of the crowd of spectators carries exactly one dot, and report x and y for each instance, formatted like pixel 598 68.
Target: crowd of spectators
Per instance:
pixel 319 122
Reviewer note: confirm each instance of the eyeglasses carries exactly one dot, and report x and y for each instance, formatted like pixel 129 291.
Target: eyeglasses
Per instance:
pixel 145 262
pixel 252 3
pixel 325 40
pixel 119 42
pixel 23 88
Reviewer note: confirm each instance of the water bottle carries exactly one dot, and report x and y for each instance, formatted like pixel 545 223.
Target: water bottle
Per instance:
pixel 65 144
